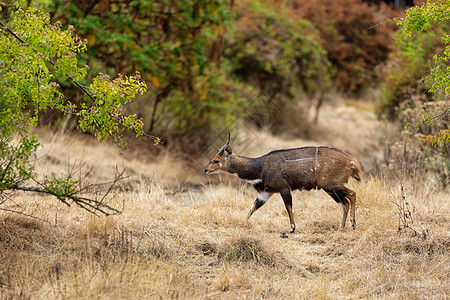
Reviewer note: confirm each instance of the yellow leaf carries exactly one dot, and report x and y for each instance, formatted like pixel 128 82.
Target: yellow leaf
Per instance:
pixel 222 29
pixel 91 39
pixel 203 92
pixel 154 81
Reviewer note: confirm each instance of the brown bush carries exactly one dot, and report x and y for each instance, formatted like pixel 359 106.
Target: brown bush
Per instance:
pixel 354 35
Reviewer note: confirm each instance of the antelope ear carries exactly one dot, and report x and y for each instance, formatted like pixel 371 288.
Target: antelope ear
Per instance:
pixel 228 150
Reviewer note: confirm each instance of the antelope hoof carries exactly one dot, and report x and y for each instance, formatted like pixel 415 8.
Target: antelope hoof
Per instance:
pixel 292 229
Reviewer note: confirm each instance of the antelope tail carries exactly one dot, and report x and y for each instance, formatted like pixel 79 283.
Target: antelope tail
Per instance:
pixel 356 170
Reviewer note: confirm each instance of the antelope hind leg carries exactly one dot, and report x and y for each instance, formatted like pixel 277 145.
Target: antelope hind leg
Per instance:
pixel 260 200
pixel 352 198
pixel 345 206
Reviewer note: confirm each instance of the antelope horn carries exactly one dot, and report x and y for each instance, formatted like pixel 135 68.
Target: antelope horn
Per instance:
pixel 226 144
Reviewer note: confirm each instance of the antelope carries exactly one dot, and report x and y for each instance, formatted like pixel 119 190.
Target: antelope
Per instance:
pixel 283 171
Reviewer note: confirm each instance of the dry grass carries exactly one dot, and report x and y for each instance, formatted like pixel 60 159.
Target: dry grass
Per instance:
pixel 183 236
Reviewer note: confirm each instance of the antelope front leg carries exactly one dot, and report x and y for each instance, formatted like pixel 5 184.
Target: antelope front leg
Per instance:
pixel 287 199
pixel 260 200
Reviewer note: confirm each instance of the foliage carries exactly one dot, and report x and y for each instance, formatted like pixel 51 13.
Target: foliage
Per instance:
pixel 176 45
pixel 354 44
pixel 33 53
pixel 407 93
pixel 417 147
pixel 281 58
pixel 411 59
pixel 422 18
pixel 276 53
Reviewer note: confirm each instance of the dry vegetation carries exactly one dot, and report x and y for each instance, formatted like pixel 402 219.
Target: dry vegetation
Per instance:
pixel 183 235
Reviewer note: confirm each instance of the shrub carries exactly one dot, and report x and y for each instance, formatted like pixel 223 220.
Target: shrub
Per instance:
pixel 418 97
pixel 176 45
pixel 278 55
pixel 355 45
pixel 409 62
pixel 415 148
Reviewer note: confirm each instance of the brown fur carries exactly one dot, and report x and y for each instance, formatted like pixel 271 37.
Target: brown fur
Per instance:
pixel 283 171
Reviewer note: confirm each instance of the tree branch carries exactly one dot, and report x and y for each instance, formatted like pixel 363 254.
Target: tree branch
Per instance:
pixel 80 86
pixel 50 61
pixel 96 203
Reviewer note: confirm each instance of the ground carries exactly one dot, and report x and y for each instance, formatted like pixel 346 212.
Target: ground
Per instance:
pixel 183 234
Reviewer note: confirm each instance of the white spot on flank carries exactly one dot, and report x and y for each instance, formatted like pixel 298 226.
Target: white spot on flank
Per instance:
pixel 298 159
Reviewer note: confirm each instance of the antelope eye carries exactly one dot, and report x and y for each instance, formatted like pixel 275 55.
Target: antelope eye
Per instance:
pixel 216 161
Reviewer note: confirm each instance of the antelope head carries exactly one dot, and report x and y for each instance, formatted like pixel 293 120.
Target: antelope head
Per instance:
pixel 219 160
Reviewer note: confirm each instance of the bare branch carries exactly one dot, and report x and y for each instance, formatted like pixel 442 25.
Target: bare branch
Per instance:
pixel 91 197
pixel 23 214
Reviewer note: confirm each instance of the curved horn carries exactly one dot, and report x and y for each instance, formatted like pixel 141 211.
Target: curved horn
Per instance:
pixel 226 144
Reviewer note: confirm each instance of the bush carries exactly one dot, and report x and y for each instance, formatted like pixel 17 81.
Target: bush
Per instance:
pixel 410 61
pixel 417 148
pixel 177 47
pixel 350 34
pixel 425 143
pixel 276 53
pixel 280 57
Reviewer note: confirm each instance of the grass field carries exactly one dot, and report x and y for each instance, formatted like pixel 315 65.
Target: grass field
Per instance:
pixel 183 235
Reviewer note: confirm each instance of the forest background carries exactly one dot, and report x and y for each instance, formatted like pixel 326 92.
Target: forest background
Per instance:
pixel 197 70
pixel 209 64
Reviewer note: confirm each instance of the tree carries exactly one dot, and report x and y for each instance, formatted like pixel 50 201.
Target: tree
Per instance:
pixel 34 54
pixel 177 45
pixel 282 59
pixel 419 19
pixel 422 44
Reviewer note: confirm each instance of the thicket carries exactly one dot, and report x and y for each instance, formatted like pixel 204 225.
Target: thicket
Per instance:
pixel 282 59
pixel 416 90
pixel 350 34
pixel 213 62
pixel 177 47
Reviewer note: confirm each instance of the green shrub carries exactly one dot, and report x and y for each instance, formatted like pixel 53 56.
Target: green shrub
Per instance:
pixel 409 63
pixel 416 90
pixel 276 53
pixel 280 57
pixel 177 47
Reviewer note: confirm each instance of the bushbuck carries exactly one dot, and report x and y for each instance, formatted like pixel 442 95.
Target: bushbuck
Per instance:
pixel 283 171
